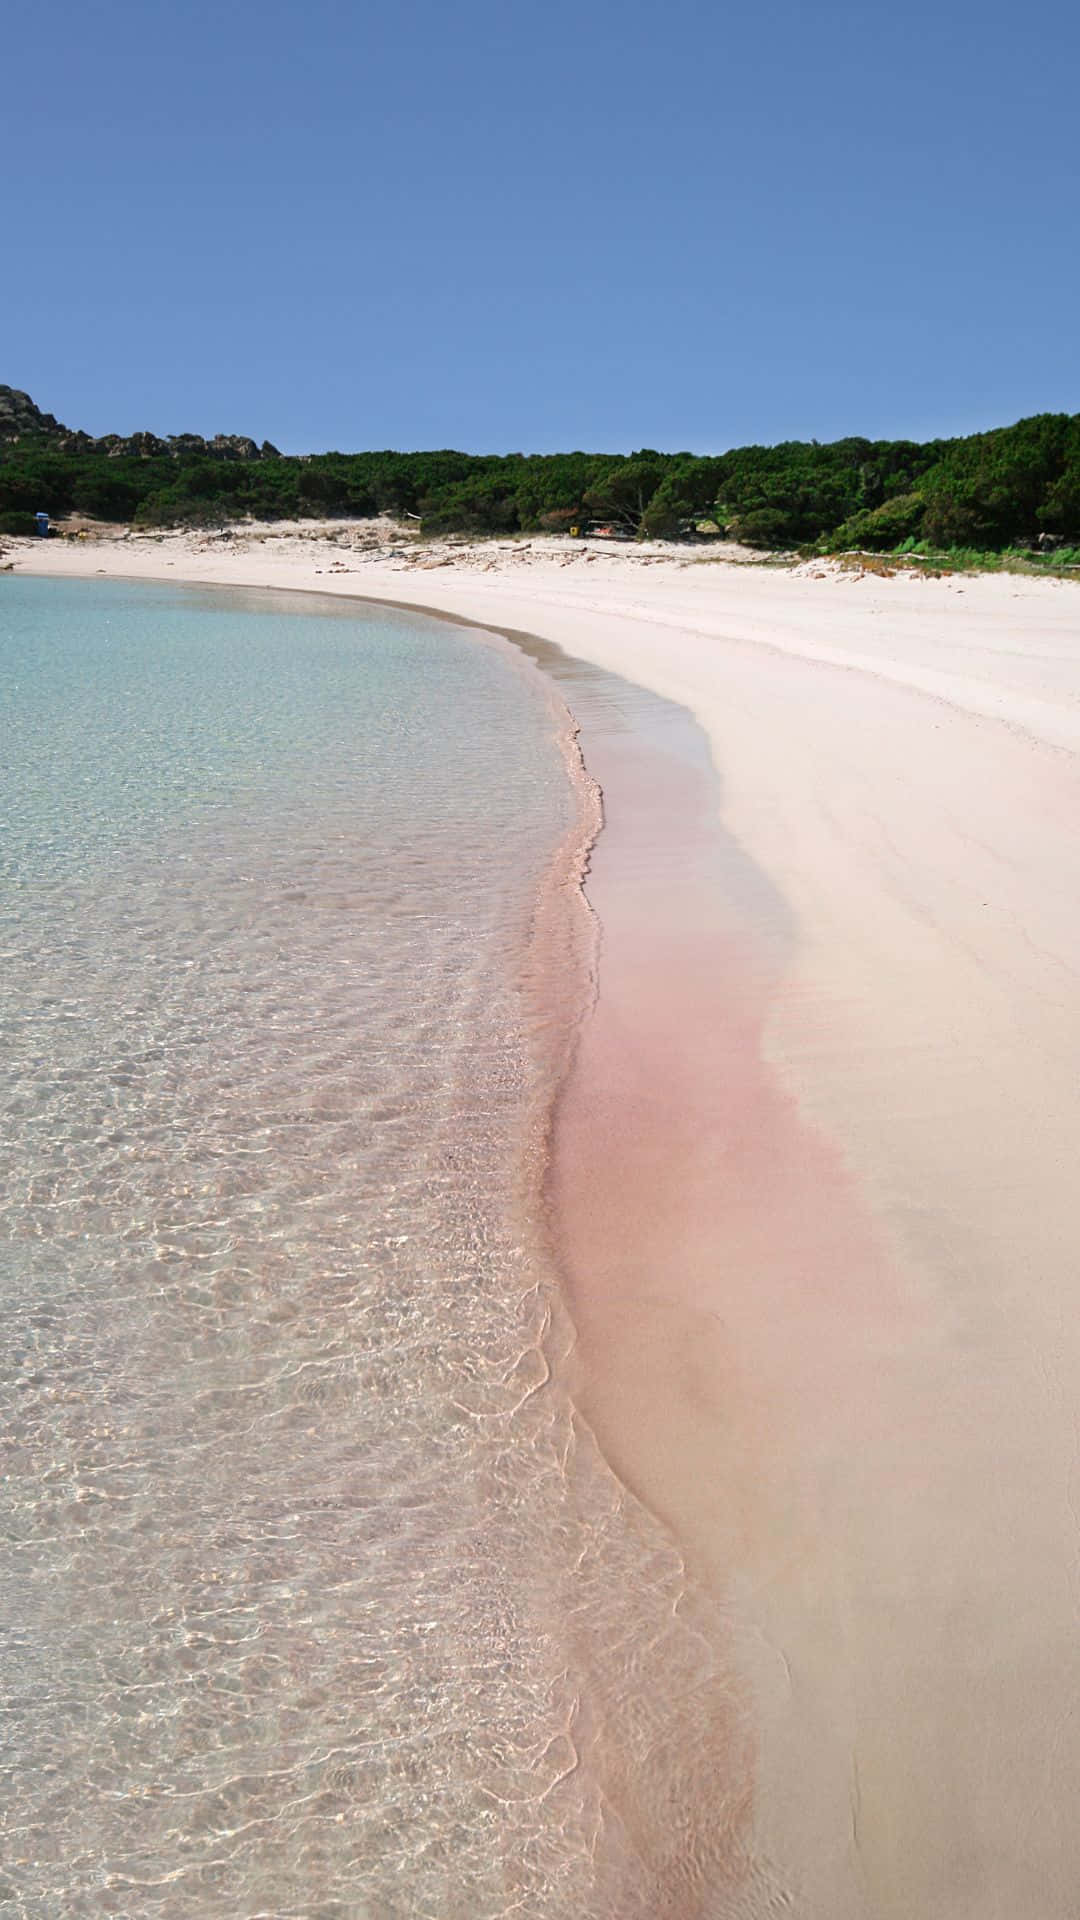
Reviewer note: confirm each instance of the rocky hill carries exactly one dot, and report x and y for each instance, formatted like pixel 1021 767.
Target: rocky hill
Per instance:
pixel 20 419
pixel 21 422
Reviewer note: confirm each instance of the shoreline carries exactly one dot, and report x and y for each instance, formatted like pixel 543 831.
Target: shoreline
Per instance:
pixel 890 1092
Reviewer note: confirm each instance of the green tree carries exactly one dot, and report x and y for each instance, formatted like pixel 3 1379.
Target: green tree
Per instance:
pixel 623 493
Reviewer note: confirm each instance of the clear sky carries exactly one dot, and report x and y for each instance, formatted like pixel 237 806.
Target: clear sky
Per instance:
pixel 499 226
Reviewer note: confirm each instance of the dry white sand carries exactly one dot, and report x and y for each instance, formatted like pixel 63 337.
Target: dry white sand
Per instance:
pixel 901 759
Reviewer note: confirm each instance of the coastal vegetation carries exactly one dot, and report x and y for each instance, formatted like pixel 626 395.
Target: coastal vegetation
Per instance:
pixel 1013 488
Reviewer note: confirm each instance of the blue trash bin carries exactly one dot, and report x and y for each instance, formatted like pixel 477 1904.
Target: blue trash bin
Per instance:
pixel 42 525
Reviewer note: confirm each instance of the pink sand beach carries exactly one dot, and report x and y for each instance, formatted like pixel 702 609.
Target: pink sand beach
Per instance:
pixel 813 1185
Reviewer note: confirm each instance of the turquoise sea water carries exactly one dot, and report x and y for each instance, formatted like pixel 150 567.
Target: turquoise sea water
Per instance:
pixel 268 1088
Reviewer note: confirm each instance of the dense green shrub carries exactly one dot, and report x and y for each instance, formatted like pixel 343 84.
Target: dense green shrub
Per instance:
pixel 880 529
pixel 993 488
pixel 764 527
pixel 987 492
pixel 106 496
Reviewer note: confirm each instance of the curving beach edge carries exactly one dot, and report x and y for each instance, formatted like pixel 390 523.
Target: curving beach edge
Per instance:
pixel 813 1168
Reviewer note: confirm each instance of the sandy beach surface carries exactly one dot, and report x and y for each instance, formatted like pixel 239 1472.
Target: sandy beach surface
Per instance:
pixel 815 1168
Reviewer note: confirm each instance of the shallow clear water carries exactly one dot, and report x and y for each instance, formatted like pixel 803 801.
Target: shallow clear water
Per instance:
pixel 269 878
pixel 316 1597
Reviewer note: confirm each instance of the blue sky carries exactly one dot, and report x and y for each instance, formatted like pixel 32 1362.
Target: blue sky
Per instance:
pixel 500 227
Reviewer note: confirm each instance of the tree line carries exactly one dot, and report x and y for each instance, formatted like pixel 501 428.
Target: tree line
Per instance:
pixel 1013 486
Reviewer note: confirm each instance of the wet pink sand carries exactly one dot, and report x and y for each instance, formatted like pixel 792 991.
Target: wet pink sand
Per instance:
pixel 778 1378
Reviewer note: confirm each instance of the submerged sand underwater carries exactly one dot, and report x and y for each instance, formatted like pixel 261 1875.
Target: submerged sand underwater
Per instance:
pixel 290 1523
